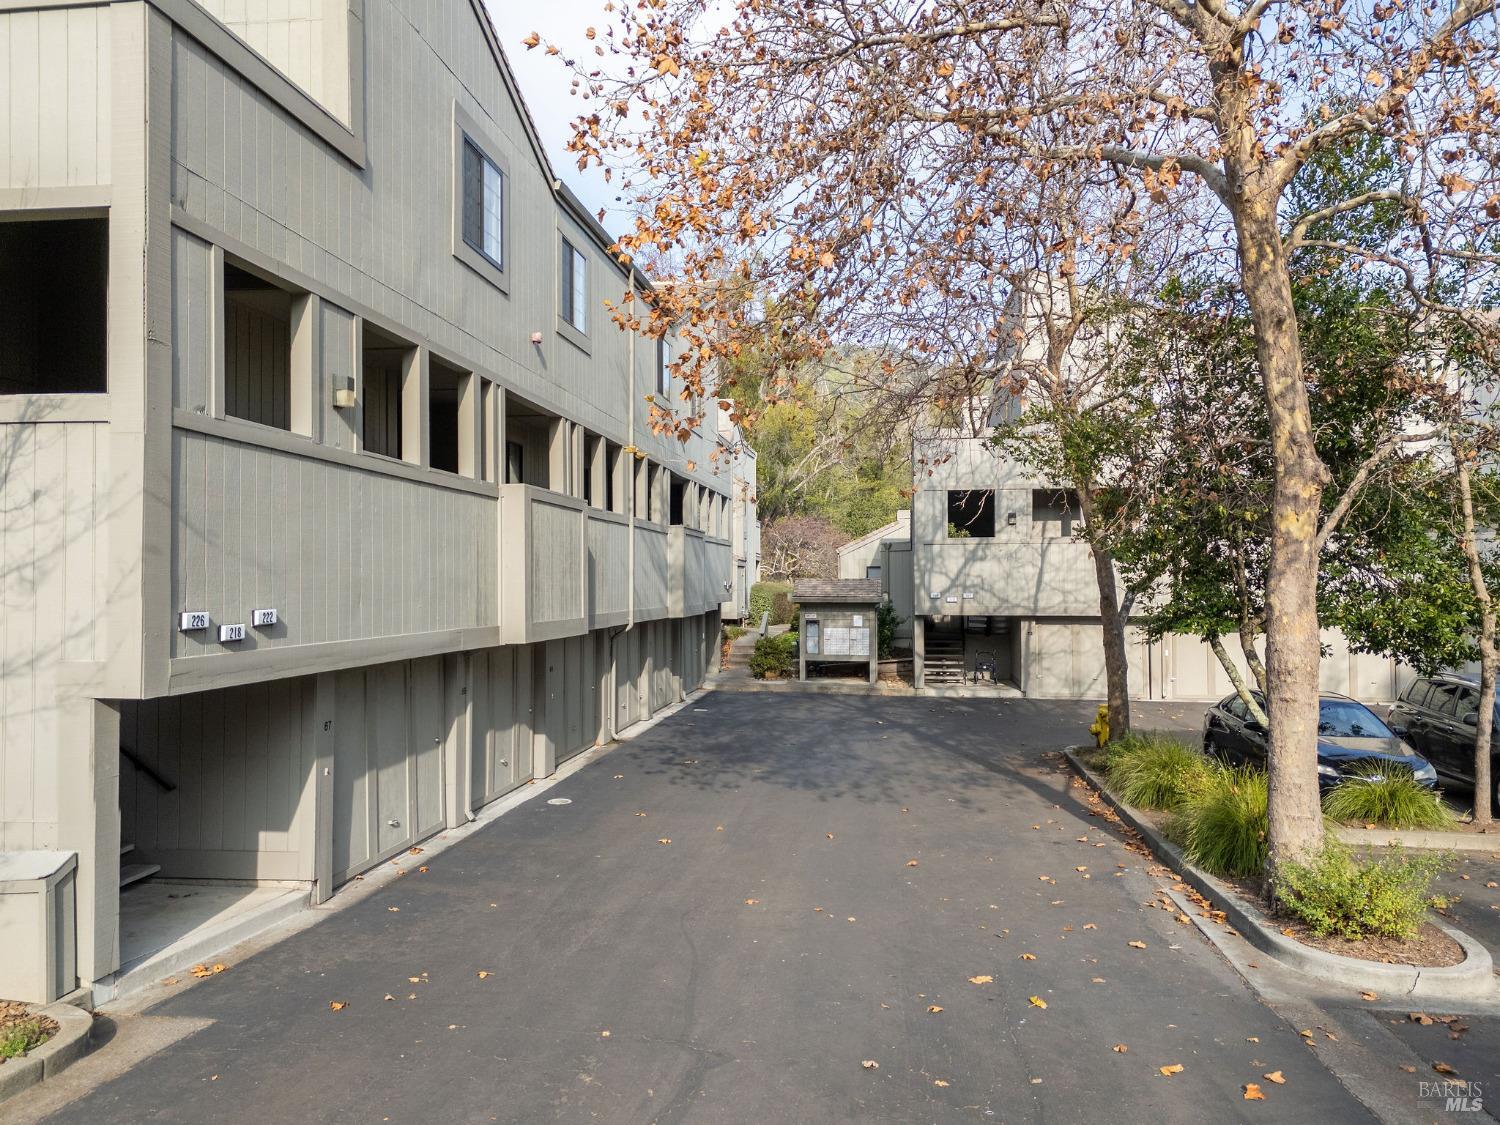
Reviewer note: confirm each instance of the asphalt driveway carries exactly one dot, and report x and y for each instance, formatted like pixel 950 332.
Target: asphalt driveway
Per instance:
pixel 737 913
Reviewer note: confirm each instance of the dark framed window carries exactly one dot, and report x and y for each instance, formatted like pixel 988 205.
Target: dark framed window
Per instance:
pixel 971 513
pixel 663 368
pixel 483 204
pixel 575 287
pixel 515 463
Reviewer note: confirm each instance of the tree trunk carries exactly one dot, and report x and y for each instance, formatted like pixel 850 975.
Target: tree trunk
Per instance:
pixel 1252 657
pixel 1241 689
pixel 1488 658
pixel 1116 663
pixel 1292 644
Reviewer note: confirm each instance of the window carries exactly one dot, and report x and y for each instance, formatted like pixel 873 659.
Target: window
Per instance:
pixel 575 287
pixel 1443 699
pixel 614 472
pixel 676 495
pixel 515 463
pixel 257 349
pixel 872 573
pixel 664 370
pixel 1468 704
pixel 1344 718
pixel 1416 694
pixel 971 513
pixel 483 204
pixel 53 283
pixel 1236 707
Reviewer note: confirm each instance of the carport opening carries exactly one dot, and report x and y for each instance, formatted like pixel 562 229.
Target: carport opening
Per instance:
pixel 53 282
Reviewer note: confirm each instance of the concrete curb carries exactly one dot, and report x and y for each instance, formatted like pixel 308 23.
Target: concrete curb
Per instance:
pixel 1474 975
pixel 1412 838
pixel 70 1044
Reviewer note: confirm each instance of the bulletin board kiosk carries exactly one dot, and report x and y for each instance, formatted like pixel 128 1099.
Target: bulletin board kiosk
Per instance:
pixel 837 623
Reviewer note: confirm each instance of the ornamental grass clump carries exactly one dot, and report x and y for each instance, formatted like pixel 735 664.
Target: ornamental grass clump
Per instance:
pixel 1222 824
pixel 1338 895
pixel 1387 794
pixel 1154 771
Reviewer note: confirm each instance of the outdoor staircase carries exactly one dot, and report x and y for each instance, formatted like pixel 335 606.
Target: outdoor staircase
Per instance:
pixel 944 661
pixel 137 872
pixel 134 872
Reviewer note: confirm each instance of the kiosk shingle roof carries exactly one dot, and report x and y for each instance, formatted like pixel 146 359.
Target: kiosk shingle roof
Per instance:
pixel 806 590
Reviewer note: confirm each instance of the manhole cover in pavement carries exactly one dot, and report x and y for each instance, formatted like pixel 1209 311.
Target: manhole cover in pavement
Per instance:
pixel 560 801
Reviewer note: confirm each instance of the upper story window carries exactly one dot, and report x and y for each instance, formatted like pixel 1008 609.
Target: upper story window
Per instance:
pixel 664 369
pixel 575 287
pixel 481 199
pixel 483 204
pixel 971 513
pixel 53 289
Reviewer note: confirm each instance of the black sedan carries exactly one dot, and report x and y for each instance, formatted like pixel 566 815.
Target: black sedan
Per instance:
pixel 1350 735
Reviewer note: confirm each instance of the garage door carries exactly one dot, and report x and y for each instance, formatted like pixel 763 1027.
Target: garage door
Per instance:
pixel 389 728
pixel 502 721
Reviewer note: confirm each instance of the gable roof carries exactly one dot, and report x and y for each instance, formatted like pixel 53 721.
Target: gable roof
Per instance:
pixel 806 590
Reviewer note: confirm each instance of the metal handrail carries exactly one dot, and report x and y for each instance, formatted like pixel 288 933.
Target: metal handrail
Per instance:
pixel 150 771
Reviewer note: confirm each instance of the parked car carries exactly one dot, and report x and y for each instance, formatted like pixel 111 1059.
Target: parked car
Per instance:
pixel 1349 733
pixel 1437 716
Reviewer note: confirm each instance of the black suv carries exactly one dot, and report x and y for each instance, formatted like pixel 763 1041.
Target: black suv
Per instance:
pixel 1436 714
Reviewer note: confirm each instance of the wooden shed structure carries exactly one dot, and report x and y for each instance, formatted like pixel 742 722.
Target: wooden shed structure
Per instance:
pixel 837 622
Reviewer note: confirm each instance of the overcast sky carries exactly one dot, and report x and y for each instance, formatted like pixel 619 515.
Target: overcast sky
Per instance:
pixel 545 84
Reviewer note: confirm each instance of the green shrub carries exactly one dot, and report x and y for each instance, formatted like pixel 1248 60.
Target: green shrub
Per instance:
pixel 1396 800
pixel 783 609
pixel 956 532
pixel 887 620
pixel 1155 771
pixel 774 657
pixel 761 595
pixel 1337 894
pixel 1222 823
pixel 733 633
pixel 19 1038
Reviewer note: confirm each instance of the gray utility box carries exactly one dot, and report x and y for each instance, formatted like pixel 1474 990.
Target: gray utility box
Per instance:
pixel 38 957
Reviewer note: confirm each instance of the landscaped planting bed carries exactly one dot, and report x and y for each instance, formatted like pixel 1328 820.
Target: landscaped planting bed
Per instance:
pixel 22 1030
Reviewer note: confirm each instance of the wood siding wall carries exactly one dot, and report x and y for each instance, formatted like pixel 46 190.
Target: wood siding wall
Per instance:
pixel 307 40
pixel 53 478
pixel 55 97
pixel 340 552
pixel 608 566
pixel 650 572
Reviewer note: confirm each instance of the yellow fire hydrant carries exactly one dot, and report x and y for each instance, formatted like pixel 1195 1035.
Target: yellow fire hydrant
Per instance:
pixel 1100 726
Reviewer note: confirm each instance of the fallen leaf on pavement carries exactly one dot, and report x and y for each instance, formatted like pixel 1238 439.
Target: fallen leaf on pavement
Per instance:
pixel 1252 1039
pixel 338 1005
pixel 1443 1068
pixel 1098 980
pixel 982 980
pixel 1028 957
pixel 421 871
pixel 388 996
pixel 940 1082
pixel 851 918
pixel 1119 1048
pixel 870 1064
pixel 829 835
pixel 911 863
pixel 394 909
pixel 1090 926
pixel 664 840
pixel 1168 1071
pixel 1038 1002
pixel 640 814
pixel 933 1008
pixel 483 974
pixel 1305 1034
pixel 1252 1093
pixel 752 902
pixel 1275 1076
pixel 1367 995
pixel 604 1034
pixel 1136 944
pixel 1080 869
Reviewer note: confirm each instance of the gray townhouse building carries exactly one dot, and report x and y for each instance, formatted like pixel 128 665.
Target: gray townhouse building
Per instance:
pixel 329 510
